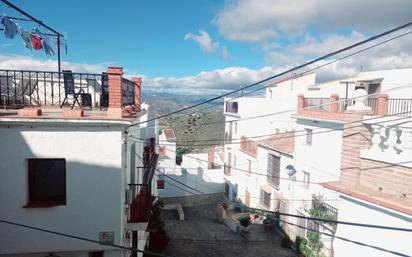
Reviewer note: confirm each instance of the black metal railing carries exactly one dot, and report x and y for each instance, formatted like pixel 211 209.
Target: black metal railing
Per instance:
pixel 20 88
pixel 400 107
pixel 128 92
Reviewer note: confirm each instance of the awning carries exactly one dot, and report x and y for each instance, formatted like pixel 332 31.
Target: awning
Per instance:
pixel 266 188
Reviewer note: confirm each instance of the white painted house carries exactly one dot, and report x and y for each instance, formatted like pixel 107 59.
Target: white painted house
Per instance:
pixel 314 113
pixel 75 171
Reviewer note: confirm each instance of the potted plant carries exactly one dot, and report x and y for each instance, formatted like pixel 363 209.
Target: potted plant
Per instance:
pixel 267 224
pixel 299 242
pixel 286 242
pixel 245 222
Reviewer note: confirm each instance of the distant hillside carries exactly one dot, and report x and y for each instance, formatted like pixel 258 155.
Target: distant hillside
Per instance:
pixel 197 127
pixel 164 103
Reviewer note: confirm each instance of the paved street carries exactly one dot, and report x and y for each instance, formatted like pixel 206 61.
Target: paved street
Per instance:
pixel 201 235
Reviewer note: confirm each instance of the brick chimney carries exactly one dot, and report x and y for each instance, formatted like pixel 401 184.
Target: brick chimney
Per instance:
pixel 356 137
pixel 138 91
pixel 115 91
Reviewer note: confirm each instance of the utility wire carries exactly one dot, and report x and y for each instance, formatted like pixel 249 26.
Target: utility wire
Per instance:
pixel 296 110
pixel 302 73
pixel 284 72
pixel 79 237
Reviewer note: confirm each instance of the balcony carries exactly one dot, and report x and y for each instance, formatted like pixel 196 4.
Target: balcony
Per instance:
pixel 231 107
pixel 248 146
pixel 322 210
pixel 39 89
pixel 391 140
pixel 142 197
pixel 334 106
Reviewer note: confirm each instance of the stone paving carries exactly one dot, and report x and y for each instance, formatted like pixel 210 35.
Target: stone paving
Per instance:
pixel 201 235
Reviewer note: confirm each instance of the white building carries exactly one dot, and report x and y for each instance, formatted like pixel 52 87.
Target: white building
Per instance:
pixel 317 146
pixel 76 172
pixel 167 151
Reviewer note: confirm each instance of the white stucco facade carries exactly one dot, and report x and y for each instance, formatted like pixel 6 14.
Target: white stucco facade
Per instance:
pixel 99 161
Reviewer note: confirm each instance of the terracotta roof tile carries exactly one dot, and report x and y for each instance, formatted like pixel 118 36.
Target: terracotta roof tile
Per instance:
pixel 283 142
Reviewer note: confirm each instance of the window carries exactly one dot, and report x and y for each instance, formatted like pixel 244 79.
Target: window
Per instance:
pixel 47 182
pixel 309 133
pixel 306 179
pixel 249 167
pixel 235 127
pixel 234 160
pixel 273 170
pixel 277 131
pixel 265 199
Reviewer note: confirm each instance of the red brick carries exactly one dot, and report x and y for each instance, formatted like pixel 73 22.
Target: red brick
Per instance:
pixel 29 112
pixel 67 113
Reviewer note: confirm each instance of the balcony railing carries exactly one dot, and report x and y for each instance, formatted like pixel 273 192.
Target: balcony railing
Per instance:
pixel 20 88
pixel 231 107
pixel 143 198
pixel 322 210
pixel 394 106
pixel 248 146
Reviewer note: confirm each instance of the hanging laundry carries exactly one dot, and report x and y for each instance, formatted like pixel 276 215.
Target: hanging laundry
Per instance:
pixel 26 36
pixel 47 48
pixel 36 42
pixel 10 28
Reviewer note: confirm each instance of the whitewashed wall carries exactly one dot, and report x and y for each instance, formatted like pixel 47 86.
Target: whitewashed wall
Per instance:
pixel 197 175
pixel 95 189
pixel 356 210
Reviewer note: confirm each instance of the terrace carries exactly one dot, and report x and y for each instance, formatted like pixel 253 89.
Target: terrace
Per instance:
pixel 334 107
pixel 69 94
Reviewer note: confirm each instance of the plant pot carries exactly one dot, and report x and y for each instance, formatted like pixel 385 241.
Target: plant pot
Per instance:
pixel 245 229
pixel 268 226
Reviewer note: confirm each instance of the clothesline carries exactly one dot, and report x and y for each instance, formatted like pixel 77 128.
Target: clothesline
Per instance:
pixel 35 39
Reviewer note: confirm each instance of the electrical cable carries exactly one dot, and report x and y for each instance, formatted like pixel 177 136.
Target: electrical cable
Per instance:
pixel 79 238
pixel 283 73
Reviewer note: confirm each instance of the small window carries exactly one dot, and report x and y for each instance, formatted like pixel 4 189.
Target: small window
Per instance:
pixel 47 182
pixel 306 179
pixel 235 127
pixel 249 167
pixel 309 133
pixel 227 190
pixel 234 160
pixel 265 199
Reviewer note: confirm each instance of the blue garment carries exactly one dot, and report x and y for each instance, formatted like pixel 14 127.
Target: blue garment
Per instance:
pixel 10 28
pixel 26 36
pixel 47 48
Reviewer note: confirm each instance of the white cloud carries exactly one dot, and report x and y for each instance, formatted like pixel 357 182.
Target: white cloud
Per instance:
pixel 204 40
pixel 207 44
pixel 264 20
pixel 19 62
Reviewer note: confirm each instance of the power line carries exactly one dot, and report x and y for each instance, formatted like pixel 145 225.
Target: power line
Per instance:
pixel 295 110
pixel 284 72
pixel 303 73
pixel 348 240
pixel 79 238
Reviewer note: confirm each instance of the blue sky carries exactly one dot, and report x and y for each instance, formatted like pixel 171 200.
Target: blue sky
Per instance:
pixel 142 36
pixel 208 45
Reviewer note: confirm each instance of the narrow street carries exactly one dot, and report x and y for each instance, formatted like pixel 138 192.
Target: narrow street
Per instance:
pixel 201 235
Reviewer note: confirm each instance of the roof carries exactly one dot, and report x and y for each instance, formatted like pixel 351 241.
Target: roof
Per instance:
pixel 283 142
pixel 169 134
pixel 397 202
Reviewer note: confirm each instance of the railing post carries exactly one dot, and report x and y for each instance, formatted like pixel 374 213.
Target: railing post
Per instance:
pixel 137 91
pixel 301 102
pixel 334 103
pixel 115 91
pixel 382 105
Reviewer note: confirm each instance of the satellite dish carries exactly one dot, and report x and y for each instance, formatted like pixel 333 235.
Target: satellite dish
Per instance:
pixel 290 170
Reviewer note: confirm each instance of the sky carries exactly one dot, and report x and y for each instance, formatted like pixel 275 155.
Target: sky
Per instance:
pixel 210 46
